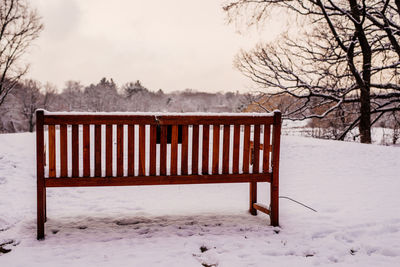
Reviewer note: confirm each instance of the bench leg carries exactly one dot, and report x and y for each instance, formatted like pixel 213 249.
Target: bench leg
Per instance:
pixel 253 198
pixel 45 204
pixel 274 205
pixel 41 199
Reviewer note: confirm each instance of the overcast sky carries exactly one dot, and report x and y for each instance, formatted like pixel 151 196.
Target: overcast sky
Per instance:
pixel 172 45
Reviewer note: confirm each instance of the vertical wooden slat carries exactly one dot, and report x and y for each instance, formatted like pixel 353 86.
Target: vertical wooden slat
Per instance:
pixel 276 137
pixel 206 144
pixel 52 151
pixel 131 150
pixel 185 141
pixel 163 150
pixel 109 150
pixel 236 146
pixel 97 150
pixel 225 149
pixel 63 151
pixel 195 149
pixel 215 159
pixel 256 164
pixel 75 150
pixel 174 150
pixel 86 150
pixel 246 149
pixel 267 134
pixel 40 185
pixel 153 152
pixel 142 149
pixel 120 150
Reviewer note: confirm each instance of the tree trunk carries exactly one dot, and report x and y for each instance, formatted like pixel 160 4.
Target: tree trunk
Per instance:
pixel 31 124
pixel 365 117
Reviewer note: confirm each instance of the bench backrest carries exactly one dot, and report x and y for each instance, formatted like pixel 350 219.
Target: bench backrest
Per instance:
pixel 152 145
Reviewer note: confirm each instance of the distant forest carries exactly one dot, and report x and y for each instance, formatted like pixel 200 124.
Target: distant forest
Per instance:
pixel 18 110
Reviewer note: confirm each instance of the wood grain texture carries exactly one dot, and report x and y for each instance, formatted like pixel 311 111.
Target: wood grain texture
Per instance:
pixel 246 149
pixel 253 197
pixel 206 147
pixel 163 150
pixel 267 147
pixel 40 181
pixel 142 149
pixel 276 137
pixel 236 148
pixel 52 150
pixel 261 208
pixel 185 149
pixel 195 149
pixel 131 150
pixel 157 180
pixel 256 164
pixel 174 150
pixel 153 151
pixel 75 150
pixel 215 158
pixel 120 150
pixel 109 150
pixel 157 120
pixel 86 150
pixel 225 149
pixel 63 151
pixel 97 151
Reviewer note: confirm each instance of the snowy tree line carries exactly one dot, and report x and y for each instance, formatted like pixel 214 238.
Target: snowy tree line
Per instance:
pixel 17 112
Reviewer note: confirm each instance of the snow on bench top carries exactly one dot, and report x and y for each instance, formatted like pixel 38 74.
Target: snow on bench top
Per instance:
pixel 243 114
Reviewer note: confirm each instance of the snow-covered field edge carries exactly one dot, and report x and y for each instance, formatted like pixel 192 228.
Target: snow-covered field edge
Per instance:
pixel 353 187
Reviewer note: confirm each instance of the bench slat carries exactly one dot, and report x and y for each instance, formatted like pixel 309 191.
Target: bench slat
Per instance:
pixel 142 149
pixel 131 150
pixel 153 152
pixel 225 150
pixel 195 149
pixel 154 120
pixel 63 151
pixel 206 147
pixel 236 143
pixel 97 150
pixel 266 150
pixel 158 180
pixel 75 150
pixel 174 150
pixel 256 164
pixel 86 150
pixel 184 156
pixel 109 150
pixel 52 151
pixel 213 120
pixel 215 159
pixel 163 150
pixel 246 149
pixel 99 119
pixel 120 150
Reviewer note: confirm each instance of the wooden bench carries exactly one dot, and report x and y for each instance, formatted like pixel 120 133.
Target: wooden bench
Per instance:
pixel 204 149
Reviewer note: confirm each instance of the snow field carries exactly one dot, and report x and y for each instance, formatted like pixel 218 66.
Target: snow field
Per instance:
pixel 353 187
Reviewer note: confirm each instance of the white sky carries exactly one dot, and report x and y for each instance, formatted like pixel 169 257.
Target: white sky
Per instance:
pixel 172 45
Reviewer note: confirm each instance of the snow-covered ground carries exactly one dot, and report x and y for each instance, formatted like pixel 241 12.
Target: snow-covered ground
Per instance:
pixel 354 187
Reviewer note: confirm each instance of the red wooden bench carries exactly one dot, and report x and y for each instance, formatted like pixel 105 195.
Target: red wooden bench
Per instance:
pixel 251 140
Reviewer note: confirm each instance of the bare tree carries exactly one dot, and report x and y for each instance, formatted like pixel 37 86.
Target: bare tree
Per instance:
pixel 19 26
pixel 31 99
pixel 347 58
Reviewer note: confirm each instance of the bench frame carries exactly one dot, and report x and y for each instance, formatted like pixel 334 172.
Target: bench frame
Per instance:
pixel 251 153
